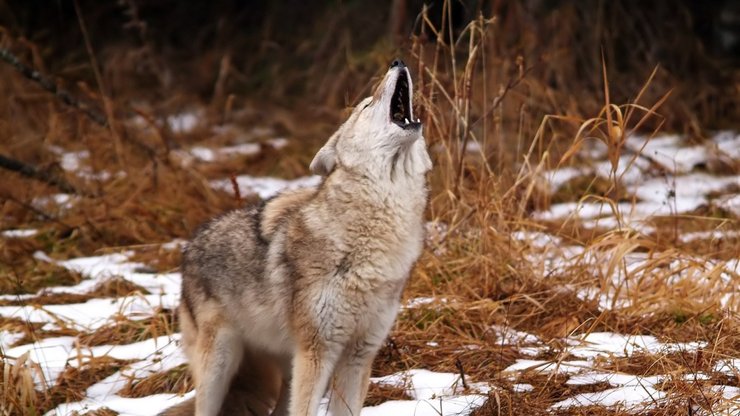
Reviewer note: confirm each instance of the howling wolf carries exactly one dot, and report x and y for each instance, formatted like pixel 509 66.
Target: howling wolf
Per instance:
pixel 289 300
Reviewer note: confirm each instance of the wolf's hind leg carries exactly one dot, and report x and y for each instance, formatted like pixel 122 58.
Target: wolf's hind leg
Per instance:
pixel 218 353
pixel 350 382
pixel 283 402
pixel 312 368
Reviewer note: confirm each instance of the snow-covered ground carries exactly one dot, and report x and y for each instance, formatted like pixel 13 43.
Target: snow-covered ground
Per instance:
pixel 666 182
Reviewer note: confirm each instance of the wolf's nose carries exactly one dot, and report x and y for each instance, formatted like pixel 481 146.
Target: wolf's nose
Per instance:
pixel 398 63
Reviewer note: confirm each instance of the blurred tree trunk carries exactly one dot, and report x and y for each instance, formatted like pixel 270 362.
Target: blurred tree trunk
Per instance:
pixel 396 20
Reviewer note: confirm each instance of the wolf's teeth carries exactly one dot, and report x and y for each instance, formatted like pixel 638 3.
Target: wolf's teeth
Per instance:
pixel 406 120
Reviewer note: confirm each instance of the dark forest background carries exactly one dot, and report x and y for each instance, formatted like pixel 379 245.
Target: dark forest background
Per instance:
pixel 323 52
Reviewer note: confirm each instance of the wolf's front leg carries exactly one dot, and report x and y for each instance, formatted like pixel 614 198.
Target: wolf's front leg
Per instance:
pixel 350 383
pixel 312 368
pixel 219 351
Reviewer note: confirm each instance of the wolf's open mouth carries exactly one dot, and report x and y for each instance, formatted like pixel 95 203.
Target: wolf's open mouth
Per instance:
pixel 400 110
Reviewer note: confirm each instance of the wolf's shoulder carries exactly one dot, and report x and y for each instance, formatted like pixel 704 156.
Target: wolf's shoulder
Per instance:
pixel 280 209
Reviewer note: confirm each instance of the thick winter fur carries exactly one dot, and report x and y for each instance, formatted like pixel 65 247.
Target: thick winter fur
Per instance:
pixel 284 302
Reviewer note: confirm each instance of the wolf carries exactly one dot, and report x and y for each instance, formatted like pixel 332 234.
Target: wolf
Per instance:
pixel 289 300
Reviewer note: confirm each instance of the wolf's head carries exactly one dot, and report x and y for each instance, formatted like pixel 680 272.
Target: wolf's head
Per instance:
pixel 381 136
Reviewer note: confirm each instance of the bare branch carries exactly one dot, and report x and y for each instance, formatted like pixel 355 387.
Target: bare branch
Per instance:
pixel 36 173
pixel 47 84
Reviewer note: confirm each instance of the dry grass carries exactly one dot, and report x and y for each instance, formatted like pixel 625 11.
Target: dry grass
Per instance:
pixel 176 380
pixel 21 397
pixel 123 330
pixel 472 88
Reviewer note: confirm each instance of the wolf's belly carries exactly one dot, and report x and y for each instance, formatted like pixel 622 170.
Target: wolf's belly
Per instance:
pixel 263 323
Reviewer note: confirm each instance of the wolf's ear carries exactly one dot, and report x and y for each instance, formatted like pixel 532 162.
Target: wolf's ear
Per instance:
pixel 326 158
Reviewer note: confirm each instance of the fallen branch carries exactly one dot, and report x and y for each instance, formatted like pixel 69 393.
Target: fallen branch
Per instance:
pixel 37 174
pixel 52 87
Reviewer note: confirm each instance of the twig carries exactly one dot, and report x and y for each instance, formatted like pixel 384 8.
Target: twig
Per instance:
pixel 52 87
pixel 235 187
pixel 33 172
pixel 460 368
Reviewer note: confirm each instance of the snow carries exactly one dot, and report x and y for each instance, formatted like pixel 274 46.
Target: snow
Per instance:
pixel 265 187
pixel 630 397
pixel 423 384
pixel 19 233
pixel 564 367
pixel 509 336
pixel 93 314
pixel 52 355
pixel 453 406
pixel 184 122
pixel 124 406
pixel 207 154
pixel 677 190
pixel 610 344
pixel 433 394
pixel 730 366
pixel 8 338
pixel 709 235
pixel 522 388
pixel 61 202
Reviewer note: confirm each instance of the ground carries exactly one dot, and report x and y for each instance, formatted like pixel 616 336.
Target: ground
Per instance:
pixel 604 306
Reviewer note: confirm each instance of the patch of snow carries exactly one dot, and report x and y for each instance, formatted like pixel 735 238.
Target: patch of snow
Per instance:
pixel 423 384
pixel 451 406
pixel 537 239
pixel 730 366
pixel 72 161
pixel 51 354
pixel 728 142
pixel 59 201
pixel 19 233
pixel 207 154
pixel 184 122
pixel 123 406
pixel 629 170
pixel 522 388
pixel 174 245
pixel 728 393
pixel 421 301
pixel 563 367
pixel 266 187
pixel 598 344
pixel 8 338
pixel 630 397
pixel 669 153
pixel 509 336
pixel 278 142
pixel 614 379
pixel 710 235
pixel 93 314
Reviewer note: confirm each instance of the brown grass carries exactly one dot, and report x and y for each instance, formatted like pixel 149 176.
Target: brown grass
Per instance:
pixel 125 331
pixel 20 396
pixel 176 380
